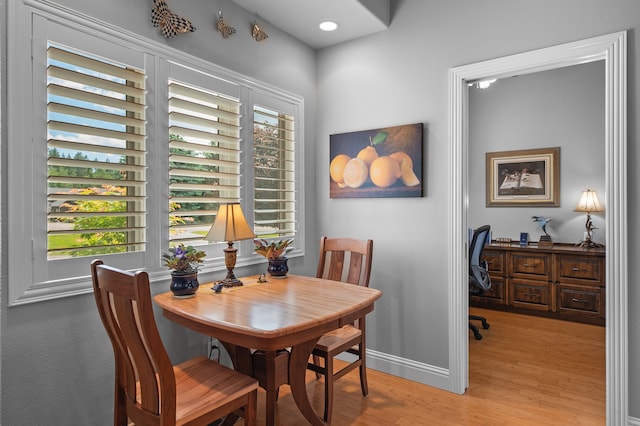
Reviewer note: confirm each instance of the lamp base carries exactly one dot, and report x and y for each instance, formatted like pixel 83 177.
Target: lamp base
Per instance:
pixel 231 282
pixel 230 263
pixel 588 244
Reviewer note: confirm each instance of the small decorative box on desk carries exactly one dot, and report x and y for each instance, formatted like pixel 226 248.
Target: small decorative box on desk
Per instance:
pixel 560 281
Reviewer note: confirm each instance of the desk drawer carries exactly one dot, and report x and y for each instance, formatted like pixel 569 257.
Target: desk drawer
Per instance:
pixel 530 266
pixel 495 261
pixel 495 296
pixel 530 295
pixel 580 299
pixel 580 270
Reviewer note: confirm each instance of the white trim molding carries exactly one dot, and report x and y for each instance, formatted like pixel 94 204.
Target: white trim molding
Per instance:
pixel 612 49
pixel 426 374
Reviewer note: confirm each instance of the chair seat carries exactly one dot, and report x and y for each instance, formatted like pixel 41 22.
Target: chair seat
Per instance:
pixel 201 383
pixel 336 340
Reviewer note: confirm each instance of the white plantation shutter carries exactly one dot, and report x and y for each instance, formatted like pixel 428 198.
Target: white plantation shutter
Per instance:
pixel 96 155
pixel 101 167
pixel 274 173
pixel 204 158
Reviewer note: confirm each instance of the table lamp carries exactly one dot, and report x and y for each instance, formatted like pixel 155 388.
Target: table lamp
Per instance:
pixel 230 225
pixel 588 203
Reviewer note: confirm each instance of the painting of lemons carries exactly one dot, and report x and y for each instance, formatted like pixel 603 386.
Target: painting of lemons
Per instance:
pixel 384 162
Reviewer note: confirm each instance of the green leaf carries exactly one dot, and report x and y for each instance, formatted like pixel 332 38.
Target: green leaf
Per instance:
pixel 379 138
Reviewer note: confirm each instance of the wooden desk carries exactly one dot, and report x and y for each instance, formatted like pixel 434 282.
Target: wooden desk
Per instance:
pixel 559 281
pixel 292 312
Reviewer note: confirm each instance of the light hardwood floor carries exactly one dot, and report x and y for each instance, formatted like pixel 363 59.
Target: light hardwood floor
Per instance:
pixel 525 371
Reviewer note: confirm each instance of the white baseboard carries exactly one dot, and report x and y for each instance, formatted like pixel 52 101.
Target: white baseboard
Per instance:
pixel 408 369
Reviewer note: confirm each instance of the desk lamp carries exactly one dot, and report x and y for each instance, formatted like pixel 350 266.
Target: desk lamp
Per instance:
pixel 588 203
pixel 230 225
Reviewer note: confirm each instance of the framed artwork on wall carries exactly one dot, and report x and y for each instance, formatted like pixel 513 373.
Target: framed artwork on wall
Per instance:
pixel 384 162
pixel 528 177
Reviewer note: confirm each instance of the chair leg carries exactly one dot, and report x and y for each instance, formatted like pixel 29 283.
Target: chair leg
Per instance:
pixel 328 389
pixel 316 361
pixel 363 370
pixel 475 331
pixel 251 408
pixel 485 324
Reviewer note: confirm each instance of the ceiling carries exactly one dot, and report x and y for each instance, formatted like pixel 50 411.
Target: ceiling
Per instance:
pixel 300 18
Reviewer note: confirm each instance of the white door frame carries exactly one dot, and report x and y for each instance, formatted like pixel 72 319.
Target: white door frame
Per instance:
pixel 612 49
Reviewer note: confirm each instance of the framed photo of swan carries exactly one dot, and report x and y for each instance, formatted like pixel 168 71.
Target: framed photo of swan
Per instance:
pixel 522 178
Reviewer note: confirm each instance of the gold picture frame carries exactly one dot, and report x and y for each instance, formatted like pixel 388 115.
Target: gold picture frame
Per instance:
pixel 523 178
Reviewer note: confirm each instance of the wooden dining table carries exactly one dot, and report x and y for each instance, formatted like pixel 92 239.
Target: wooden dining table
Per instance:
pixel 292 312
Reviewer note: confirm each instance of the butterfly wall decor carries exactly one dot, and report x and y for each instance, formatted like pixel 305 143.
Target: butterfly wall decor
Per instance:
pixel 170 24
pixel 257 33
pixel 225 30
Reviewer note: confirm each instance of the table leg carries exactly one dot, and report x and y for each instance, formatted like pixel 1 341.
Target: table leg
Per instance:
pixel 297 380
pixel 272 390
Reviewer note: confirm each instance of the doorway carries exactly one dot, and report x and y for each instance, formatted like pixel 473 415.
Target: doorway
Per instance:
pixel 612 50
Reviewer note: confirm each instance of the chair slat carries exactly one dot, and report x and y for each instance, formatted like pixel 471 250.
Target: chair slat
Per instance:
pixel 336 266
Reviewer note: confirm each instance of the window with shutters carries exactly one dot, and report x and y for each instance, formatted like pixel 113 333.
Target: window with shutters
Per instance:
pixel 119 150
pixel 274 173
pixel 95 156
pixel 204 159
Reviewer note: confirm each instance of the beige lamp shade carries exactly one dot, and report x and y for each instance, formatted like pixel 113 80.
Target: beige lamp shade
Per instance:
pixel 588 202
pixel 230 225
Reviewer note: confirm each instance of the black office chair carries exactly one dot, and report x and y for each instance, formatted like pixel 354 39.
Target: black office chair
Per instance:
pixel 479 280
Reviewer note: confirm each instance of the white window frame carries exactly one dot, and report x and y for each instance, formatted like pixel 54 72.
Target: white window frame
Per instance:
pixel 29 277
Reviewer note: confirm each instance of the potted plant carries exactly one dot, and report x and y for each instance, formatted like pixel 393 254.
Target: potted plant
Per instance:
pixel 275 252
pixel 184 262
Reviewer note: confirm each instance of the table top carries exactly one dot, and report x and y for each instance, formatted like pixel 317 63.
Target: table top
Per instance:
pixel 553 248
pixel 279 313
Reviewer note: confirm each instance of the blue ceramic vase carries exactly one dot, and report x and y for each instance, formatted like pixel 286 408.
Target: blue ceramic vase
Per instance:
pixel 278 267
pixel 184 284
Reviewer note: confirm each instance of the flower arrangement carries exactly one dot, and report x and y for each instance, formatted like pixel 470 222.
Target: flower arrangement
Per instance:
pixel 272 250
pixel 183 259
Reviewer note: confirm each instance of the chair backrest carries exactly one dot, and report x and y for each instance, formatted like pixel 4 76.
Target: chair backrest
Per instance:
pixel 477 244
pixel 145 381
pixel 479 280
pixel 334 252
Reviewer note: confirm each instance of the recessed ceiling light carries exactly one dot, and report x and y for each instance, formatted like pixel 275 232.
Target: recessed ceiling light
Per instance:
pixel 328 26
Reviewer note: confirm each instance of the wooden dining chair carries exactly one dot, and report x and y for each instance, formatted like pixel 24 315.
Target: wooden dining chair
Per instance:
pixel 149 390
pixel 332 265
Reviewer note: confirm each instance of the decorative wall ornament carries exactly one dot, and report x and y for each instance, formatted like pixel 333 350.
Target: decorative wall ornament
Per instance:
pixel 226 30
pixel 257 33
pixel 170 24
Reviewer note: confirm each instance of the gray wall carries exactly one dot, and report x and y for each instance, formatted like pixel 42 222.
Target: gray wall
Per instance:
pixel 400 76
pixel 557 108
pixel 57 362
pixel 56 353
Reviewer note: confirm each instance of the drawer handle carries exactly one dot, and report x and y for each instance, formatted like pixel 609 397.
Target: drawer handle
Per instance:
pixel 579 300
pixel 574 269
pixel 531 294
